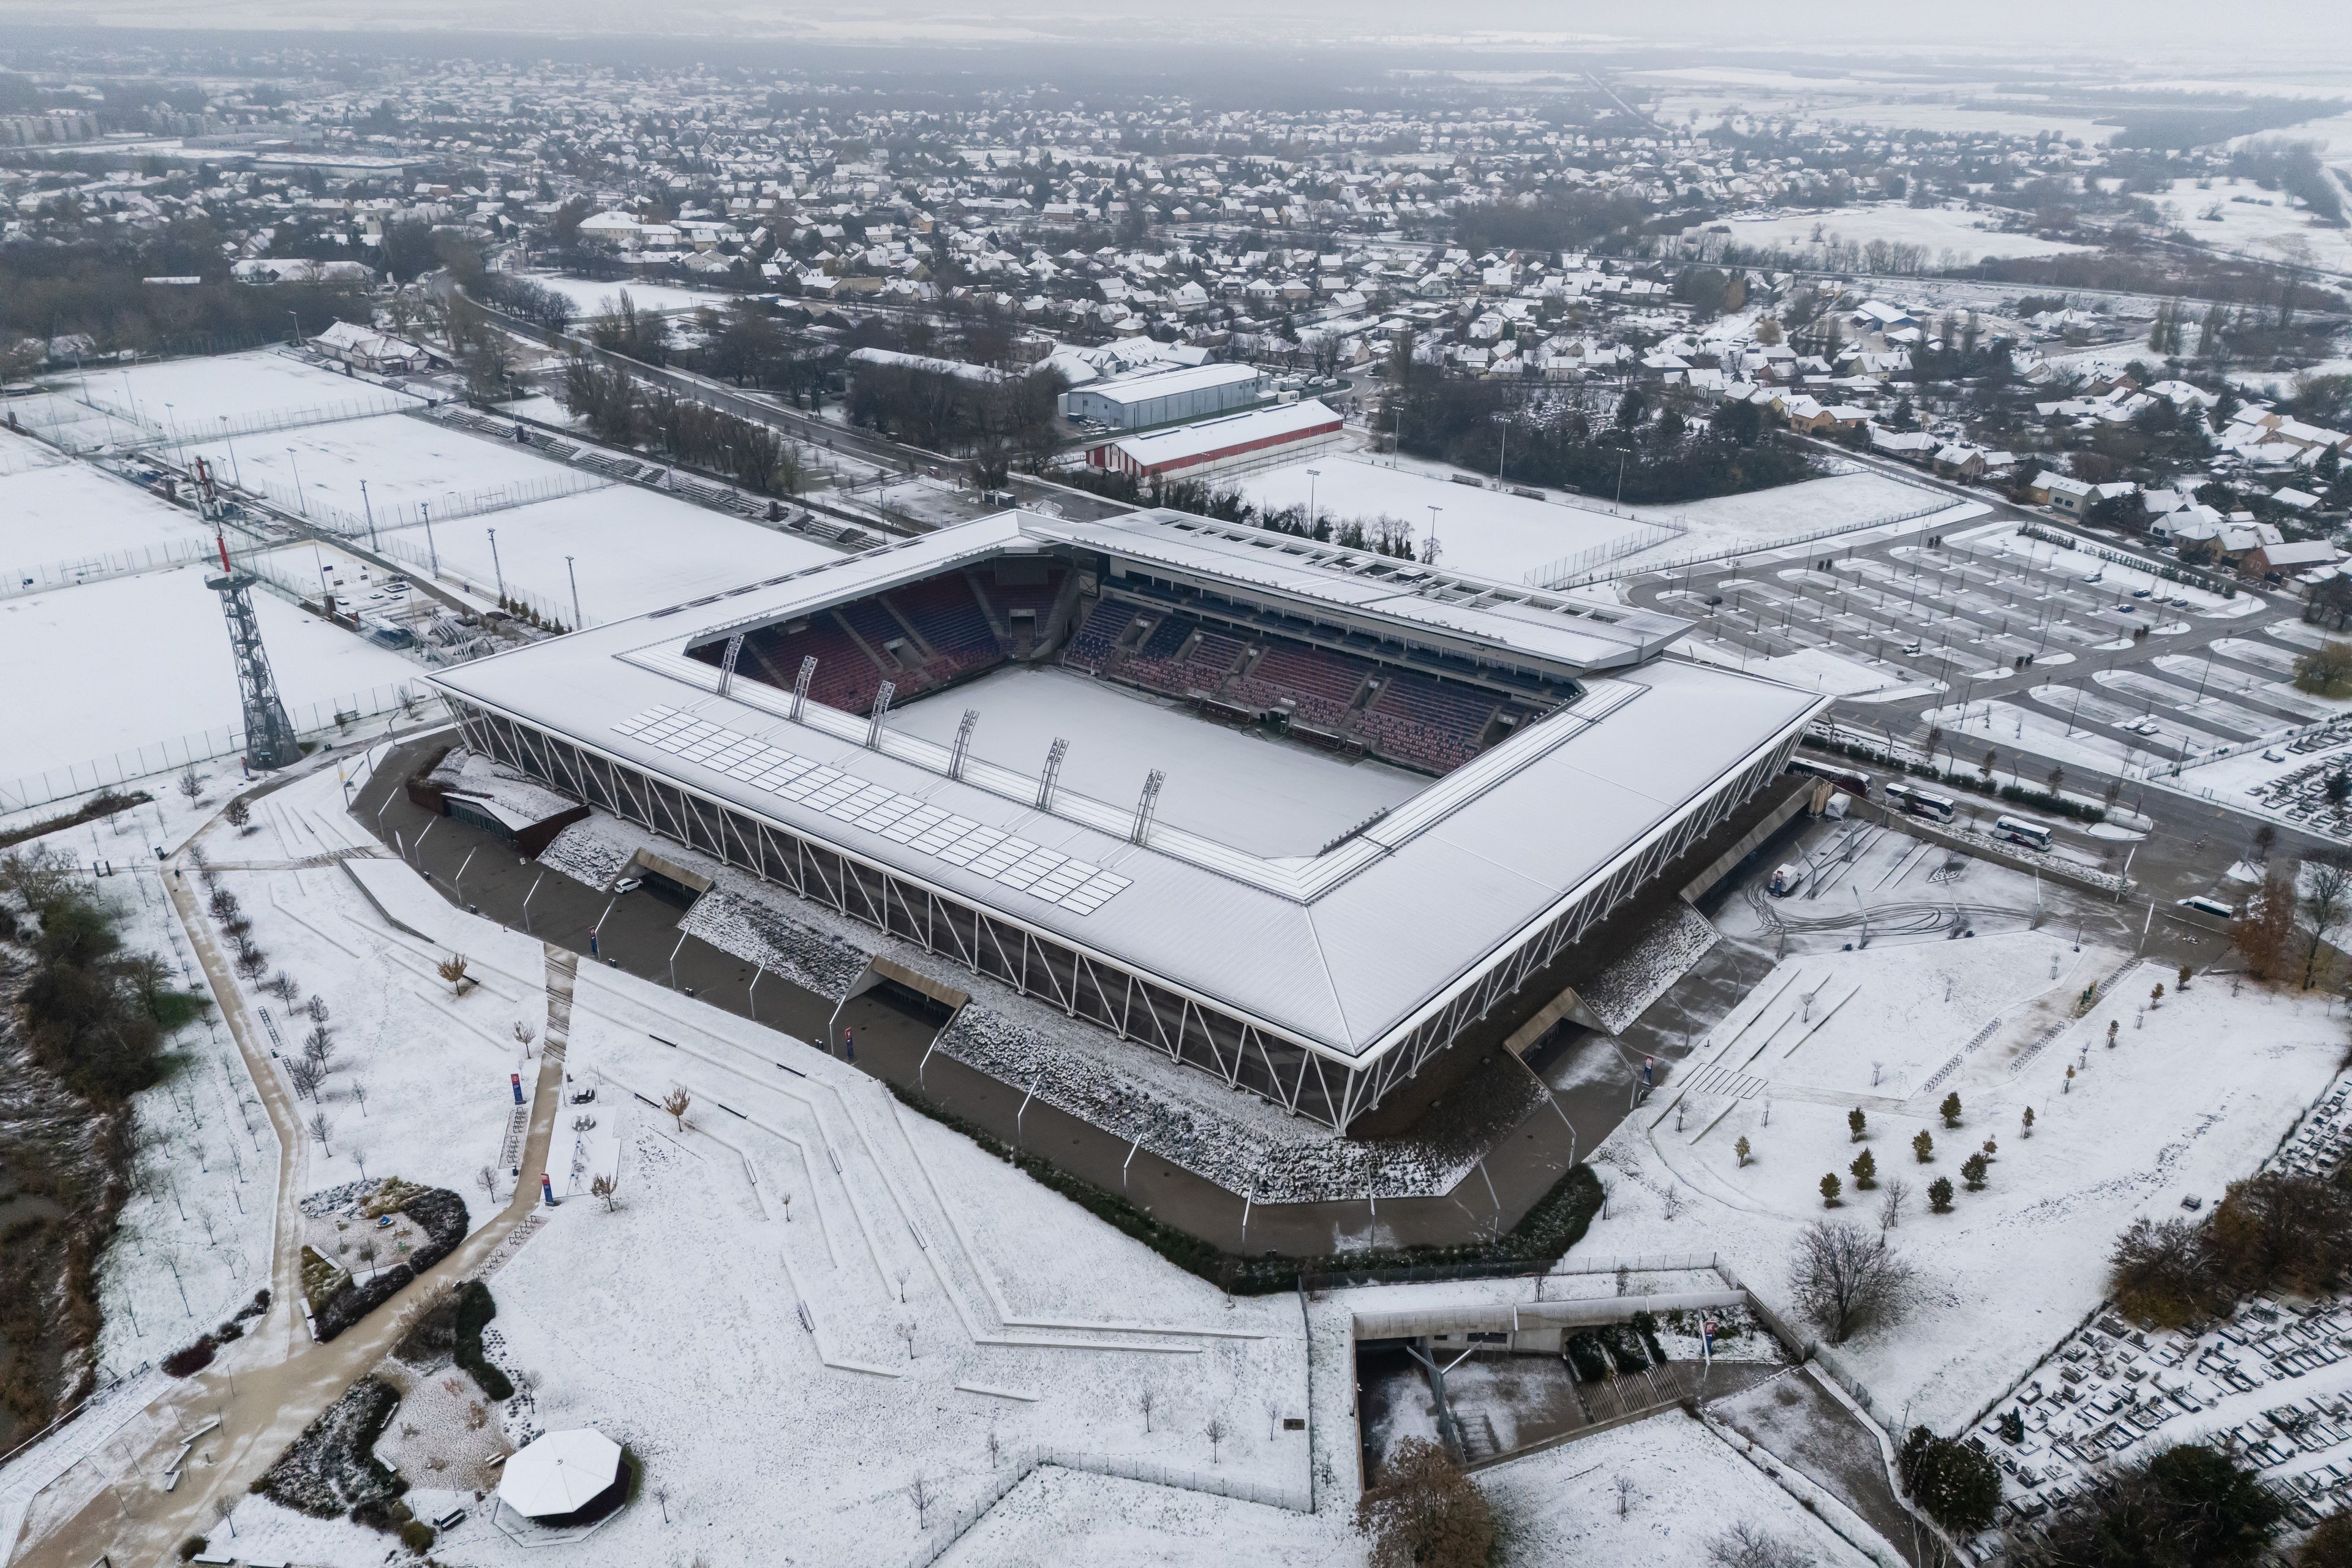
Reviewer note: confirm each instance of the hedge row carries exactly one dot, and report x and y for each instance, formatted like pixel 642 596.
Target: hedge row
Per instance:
pixel 442 1214
pixel 474 1310
pixel 1976 783
pixel 1556 1223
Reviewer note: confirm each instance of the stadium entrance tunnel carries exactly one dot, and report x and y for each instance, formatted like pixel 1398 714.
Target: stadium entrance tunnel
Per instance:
pixel 671 883
pixel 905 990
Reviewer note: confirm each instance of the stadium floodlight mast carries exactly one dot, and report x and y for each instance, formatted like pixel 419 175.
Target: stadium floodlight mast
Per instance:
pixel 801 684
pixel 230 437
pixel 1432 534
pixel 1502 419
pixel 1147 807
pixel 433 554
pixel 1312 475
pixel 882 696
pixel 368 507
pixel 1052 775
pixel 962 743
pixel 496 571
pixel 574 576
pixel 302 500
pixel 727 665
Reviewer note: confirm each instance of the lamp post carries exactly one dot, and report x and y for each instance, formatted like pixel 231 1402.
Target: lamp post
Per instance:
pixel 496 570
pixel 1503 456
pixel 301 501
pixel 574 576
pixel 1432 534
pixel 369 508
pixel 1312 475
pixel 231 439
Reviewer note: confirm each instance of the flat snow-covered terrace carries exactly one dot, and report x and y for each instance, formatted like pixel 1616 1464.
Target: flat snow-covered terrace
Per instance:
pixel 1314 979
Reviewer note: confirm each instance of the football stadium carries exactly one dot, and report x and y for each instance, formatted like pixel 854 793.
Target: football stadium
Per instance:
pixel 1298 816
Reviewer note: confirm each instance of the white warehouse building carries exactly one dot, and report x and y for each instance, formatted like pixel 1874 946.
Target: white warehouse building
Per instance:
pixel 1164 397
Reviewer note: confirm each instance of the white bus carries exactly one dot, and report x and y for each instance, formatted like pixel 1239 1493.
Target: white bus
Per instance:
pixel 1922 803
pixel 2032 835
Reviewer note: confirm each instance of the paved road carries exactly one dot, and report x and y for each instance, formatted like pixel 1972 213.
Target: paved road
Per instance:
pixel 273 1383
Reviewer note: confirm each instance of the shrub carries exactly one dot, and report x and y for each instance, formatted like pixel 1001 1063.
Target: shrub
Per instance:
pixel 442 1214
pixel 1923 1146
pixel 474 1310
pixel 1939 1194
pixel 1956 1485
pixel 2189 1505
pixel 331 1467
pixel 1972 1171
pixel 2282 1230
pixel 1865 1172
pixel 2163 1274
pixel 417 1536
pixel 1831 1187
pixel 1646 1325
pixel 1950 1109
pixel 2329 1546
pixel 190 1546
pixel 189 1360
pixel 1625 1348
pixel 1586 1356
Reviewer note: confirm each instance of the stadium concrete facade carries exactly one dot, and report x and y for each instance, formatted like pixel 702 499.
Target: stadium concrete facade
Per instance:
pixel 1572 759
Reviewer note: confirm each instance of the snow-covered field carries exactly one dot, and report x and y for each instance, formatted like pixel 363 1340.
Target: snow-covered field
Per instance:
pixel 187 398
pixel 135 660
pixel 1968 236
pixel 2013 1268
pixel 634 551
pixel 1494 533
pixel 1488 533
pixel 1690 1486
pixel 1265 796
pixel 2240 215
pixel 588 295
pixel 404 461
pixel 69 512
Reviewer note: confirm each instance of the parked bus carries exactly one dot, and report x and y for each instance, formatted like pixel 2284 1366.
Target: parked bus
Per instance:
pixel 1855 783
pixel 1922 803
pixel 2017 830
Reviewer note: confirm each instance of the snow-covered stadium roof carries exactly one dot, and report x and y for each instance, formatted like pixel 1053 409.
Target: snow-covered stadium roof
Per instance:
pixel 1342 951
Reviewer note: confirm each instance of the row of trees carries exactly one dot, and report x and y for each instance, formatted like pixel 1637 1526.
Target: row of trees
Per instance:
pixel 2275 1230
pixel 1488 426
pixel 625 412
pixel 2286 929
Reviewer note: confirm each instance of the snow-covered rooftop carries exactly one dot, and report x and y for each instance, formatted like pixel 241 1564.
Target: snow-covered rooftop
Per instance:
pixel 1342 951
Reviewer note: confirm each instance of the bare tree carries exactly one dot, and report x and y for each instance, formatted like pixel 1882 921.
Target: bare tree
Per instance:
pixel 488 1179
pixel 905 1329
pixel 282 986
pixel 359 1093
pixel 676 1102
pixel 524 1035
pixel 1273 1419
pixel 2326 897
pixel 315 1009
pixel 190 783
pixel 1744 1546
pixel 607 1189
pixel 1890 1201
pixel 1216 1431
pixel 661 1496
pixel 222 1507
pixel 920 1490
pixel 319 1045
pixel 1147 1399
pixel 1425 1511
pixel 1844 1278
pixel 303 1074
pixel 1623 1487
pixel 452 970
pixel 318 1130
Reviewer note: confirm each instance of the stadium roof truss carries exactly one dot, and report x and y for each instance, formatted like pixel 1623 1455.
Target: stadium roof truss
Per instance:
pixel 1318 982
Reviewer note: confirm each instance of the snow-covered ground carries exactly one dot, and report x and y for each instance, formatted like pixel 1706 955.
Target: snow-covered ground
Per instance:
pixel 634 551
pixel 405 462
pixel 2237 215
pixel 1891 1029
pixel 1968 236
pixel 186 398
pixel 589 297
pixel 1494 533
pixel 1266 797
pixel 68 511
pixel 1689 1487
pixel 22 454
pixel 1485 533
pixel 132 661
pixel 675 1323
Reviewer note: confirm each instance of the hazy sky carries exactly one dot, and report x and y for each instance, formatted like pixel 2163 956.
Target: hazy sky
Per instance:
pixel 2253 33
